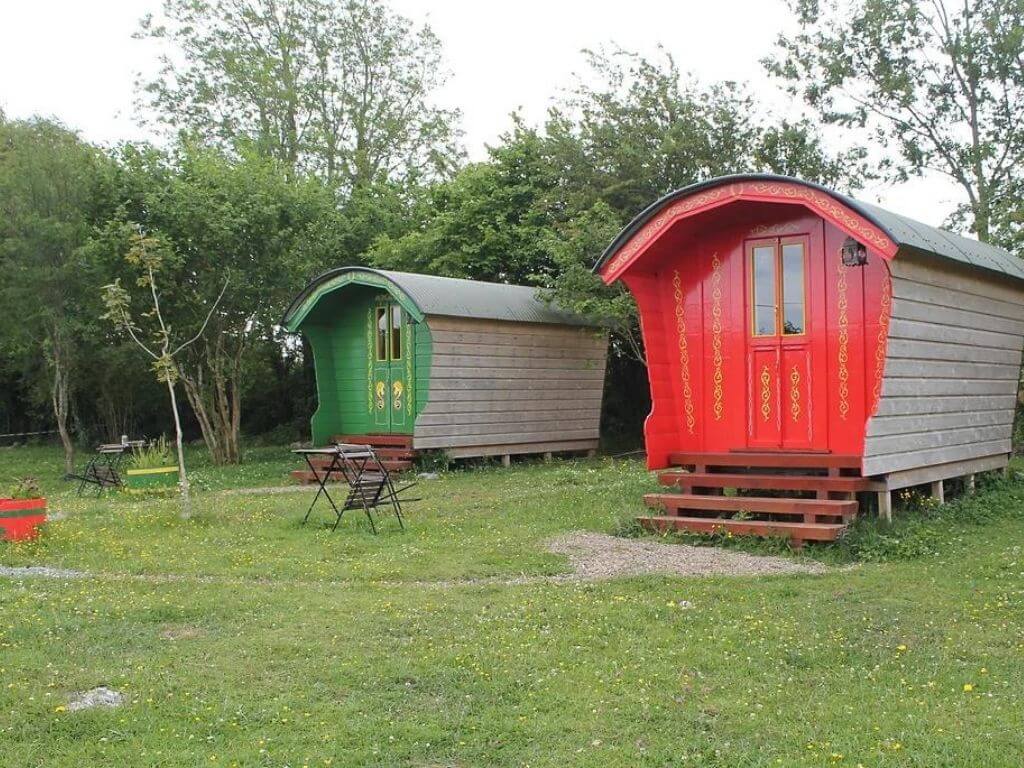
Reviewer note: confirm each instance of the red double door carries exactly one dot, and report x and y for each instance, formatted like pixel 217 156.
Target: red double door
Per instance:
pixel 785 318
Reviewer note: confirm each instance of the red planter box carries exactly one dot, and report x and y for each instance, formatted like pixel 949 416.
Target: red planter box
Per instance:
pixel 20 518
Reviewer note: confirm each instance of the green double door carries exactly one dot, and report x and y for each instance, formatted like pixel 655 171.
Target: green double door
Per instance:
pixel 391 372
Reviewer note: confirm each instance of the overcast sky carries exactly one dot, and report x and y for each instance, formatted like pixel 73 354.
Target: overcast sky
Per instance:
pixel 76 60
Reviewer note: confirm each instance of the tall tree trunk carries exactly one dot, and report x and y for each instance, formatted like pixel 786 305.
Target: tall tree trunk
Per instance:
pixel 60 396
pixel 186 499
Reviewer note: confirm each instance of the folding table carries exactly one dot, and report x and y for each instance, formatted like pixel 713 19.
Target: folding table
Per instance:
pixel 104 468
pixel 369 482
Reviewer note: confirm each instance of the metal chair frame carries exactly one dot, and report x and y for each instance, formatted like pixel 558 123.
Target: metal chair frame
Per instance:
pixel 369 483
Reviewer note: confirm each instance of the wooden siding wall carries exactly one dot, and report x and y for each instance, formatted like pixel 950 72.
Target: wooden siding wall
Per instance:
pixel 952 366
pixel 526 385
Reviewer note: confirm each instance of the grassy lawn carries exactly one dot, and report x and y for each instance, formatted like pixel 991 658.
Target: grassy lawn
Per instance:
pixel 241 638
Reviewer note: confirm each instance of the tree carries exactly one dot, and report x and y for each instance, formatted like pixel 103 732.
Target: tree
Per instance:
pixel 54 188
pixel 338 88
pixel 490 222
pixel 941 83
pixel 149 256
pixel 243 220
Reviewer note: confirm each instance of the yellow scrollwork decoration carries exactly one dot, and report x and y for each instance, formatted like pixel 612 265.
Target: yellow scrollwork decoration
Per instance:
pixel 842 306
pixel 717 377
pixel 684 353
pixel 766 393
pixel 396 395
pixel 381 390
pixel 794 394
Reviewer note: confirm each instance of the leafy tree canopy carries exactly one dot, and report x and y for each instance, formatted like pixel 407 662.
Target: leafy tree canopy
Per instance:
pixel 940 83
pixel 342 89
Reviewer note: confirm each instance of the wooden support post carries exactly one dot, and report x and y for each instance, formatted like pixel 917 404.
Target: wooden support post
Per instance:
pixel 969 483
pixel 592 453
pixel 506 460
pixel 548 456
pixel 885 506
pixel 938 492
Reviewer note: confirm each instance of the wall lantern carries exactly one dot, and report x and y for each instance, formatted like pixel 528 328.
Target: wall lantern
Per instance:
pixel 854 253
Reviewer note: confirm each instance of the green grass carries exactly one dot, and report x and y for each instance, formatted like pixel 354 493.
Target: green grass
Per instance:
pixel 297 646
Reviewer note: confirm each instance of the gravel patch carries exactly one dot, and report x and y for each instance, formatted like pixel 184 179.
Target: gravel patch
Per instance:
pixel 40 571
pixel 595 556
pixel 97 697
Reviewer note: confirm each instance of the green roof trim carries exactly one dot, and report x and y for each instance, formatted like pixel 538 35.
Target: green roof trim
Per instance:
pixel 332 281
pixel 423 295
pixel 908 234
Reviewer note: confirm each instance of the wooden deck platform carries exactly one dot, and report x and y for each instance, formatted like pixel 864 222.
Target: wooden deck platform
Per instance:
pixel 395 451
pixel 811 496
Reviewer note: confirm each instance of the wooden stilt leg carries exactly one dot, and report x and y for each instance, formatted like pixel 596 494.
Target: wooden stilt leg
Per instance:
pixel 591 453
pixel 885 506
pixel 969 483
pixel 506 460
pixel 548 456
pixel 938 492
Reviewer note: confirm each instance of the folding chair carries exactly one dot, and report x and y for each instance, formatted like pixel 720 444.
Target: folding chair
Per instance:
pixel 369 483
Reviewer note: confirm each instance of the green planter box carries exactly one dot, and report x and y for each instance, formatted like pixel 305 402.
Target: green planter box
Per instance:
pixel 157 477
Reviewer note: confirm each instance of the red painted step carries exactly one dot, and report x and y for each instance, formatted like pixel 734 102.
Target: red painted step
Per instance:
pixel 766 460
pixel 807 509
pixel 305 476
pixel 383 453
pixel 766 482
pixel 398 441
pixel 798 532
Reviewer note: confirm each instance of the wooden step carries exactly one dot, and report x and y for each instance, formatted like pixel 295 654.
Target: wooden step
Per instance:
pixel 305 476
pixel 834 484
pixel 766 459
pixel 797 532
pixel 382 453
pixel 397 441
pixel 807 509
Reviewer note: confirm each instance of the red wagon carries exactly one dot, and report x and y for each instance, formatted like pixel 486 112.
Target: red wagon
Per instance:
pixel 798 340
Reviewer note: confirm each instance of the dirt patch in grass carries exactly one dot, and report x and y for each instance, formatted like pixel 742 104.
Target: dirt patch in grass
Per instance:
pixel 184 632
pixel 595 556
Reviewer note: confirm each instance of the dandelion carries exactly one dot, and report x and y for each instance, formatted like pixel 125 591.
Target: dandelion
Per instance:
pixel 968 687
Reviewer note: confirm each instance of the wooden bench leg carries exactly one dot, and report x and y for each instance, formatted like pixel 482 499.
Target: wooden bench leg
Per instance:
pixel 885 506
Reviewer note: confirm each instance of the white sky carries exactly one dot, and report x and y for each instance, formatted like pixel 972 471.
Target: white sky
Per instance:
pixel 76 60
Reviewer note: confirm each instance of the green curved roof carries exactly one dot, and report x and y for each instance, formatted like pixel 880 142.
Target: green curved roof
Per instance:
pixel 908 234
pixel 423 295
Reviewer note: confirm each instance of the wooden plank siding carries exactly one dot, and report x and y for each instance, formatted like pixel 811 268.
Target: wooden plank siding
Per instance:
pixel 507 387
pixel 953 358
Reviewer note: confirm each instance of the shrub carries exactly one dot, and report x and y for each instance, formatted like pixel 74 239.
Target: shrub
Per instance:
pixel 26 488
pixel 153 456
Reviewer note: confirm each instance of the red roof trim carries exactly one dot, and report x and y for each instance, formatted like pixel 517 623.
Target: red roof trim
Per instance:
pixel 826 206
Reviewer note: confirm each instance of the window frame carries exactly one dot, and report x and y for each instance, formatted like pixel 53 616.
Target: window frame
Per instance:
pixel 379 334
pixel 777 244
pixel 394 332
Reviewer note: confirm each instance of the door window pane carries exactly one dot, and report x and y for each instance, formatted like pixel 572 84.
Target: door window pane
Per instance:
pixel 382 333
pixel 396 332
pixel 763 278
pixel 793 288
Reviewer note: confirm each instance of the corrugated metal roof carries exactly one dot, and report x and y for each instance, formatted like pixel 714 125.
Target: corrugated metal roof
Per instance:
pixel 454 297
pixel 905 232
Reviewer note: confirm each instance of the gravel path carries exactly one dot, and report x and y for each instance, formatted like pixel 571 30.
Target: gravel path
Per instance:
pixel 592 557
pixel 595 556
pixel 40 571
